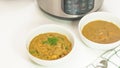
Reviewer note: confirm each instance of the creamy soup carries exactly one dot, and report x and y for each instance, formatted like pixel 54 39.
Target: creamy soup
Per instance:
pixel 101 32
pixel 50 46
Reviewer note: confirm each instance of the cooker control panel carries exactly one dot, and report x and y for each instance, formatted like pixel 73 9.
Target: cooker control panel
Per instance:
pixel 77 7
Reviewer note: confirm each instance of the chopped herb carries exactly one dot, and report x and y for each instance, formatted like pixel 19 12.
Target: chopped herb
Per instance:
pixel 45 42
pixel 33 51
pixel 66 47
pixel 51 41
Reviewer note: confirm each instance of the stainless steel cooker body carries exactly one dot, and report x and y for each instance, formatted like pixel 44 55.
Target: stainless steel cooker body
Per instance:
pixel 69 8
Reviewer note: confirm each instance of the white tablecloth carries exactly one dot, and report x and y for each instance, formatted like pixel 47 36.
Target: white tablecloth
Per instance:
pixel 19 17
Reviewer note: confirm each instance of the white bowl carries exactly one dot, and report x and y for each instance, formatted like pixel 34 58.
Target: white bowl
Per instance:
pixel 98 16
pixel 51 28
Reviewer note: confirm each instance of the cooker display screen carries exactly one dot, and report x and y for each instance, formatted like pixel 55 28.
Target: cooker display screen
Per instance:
pixel 76 7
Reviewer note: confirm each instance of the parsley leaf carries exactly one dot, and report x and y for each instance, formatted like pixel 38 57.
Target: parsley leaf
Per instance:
pixel 52 41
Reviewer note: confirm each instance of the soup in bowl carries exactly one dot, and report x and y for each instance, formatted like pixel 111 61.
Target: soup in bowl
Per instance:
pixel 100 30
pixel 50 45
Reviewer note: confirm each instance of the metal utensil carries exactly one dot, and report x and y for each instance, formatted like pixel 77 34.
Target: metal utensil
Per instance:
pixel 102 64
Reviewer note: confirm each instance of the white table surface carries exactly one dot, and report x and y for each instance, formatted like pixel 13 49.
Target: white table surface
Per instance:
pixel 19 17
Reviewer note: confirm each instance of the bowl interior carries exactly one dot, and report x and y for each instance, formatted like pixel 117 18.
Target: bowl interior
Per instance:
pixel 98 16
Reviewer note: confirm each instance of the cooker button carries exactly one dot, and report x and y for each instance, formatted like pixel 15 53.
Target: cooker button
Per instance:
pixel 90 2
pixel 90 7
pixel 76 1
pixel 68 2
pixel 83 6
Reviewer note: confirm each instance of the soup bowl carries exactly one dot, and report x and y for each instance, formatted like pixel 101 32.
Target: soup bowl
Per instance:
pixel 103 16
pixel 51 28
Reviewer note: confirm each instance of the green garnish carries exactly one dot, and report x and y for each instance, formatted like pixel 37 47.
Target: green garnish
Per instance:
pixel 45 42
pixel 66 47
pixel 51 41
pixel 33 51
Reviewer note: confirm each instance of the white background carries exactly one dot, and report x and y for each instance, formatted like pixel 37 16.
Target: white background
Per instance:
pixel 19 17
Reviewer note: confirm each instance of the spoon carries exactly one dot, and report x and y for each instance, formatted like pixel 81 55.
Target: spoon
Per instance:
pixel 102 64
